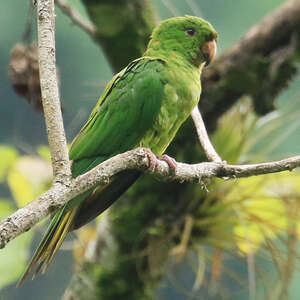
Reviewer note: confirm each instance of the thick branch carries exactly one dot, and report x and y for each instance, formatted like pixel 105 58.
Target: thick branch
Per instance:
pixel 261 64
pixel 23 219
pixel 50 93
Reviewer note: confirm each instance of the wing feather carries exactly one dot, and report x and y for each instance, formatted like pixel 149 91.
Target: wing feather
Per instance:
pixel 123 114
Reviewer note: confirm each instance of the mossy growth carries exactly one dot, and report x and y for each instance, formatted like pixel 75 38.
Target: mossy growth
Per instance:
pixel 123 28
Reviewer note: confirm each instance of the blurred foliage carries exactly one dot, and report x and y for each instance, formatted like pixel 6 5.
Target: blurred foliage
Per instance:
pixel 237 217
pixel 26 177
pixel 273 132
pixel 14 256
pixel 262 205
pixel 243 218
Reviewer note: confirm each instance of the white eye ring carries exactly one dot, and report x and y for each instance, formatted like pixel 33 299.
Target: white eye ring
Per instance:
pixel 190 32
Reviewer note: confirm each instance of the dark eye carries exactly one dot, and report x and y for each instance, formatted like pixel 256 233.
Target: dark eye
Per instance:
pixel 190 32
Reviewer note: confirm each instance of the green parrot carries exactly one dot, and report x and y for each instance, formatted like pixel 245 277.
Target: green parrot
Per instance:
pixel 143 105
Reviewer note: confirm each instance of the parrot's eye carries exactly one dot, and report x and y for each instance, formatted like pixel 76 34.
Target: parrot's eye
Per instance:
pixel 190 32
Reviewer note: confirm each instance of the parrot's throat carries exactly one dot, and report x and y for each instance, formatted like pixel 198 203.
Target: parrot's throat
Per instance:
pixel 157 49
pixel 175 51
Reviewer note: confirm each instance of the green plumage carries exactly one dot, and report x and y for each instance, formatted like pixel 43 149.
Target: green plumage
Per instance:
pixel 120 119
pixel 143 105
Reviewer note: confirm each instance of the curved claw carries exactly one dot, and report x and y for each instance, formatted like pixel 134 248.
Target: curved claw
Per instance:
pixel 152 160
pixel 172 163
pixel 153 163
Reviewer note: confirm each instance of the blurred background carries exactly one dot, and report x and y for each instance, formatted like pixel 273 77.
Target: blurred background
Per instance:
pixel 84 71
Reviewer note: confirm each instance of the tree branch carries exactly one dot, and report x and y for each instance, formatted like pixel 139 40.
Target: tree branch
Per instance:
pixel 24 218
pixel 50 93
pixel 76 18
pixel 207 146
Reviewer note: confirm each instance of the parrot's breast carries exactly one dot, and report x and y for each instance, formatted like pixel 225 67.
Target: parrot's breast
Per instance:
pixel 181 94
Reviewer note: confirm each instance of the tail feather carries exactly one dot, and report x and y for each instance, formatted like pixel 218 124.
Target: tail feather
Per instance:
pixel 74 215
pixel 51 242
pixel 60 236
pixel 103 197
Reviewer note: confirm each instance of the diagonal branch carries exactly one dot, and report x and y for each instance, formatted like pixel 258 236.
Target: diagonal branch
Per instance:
pixel 76 18
pixel 24 218
pixel 260 64
pixel 207 146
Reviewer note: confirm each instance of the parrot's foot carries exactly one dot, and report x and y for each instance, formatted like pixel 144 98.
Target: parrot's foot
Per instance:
pixel 152 160
pixel 170 161
pixel 153 163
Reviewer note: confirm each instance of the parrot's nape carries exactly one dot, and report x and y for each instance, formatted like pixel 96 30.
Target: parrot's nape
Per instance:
pixel 143 105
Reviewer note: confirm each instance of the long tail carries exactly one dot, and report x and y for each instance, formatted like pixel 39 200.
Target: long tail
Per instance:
pixel 51 242
pixel 74 216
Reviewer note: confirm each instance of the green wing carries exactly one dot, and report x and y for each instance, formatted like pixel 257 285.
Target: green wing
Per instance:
pixel 126 110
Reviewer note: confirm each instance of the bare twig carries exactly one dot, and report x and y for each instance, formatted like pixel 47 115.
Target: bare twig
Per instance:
pixel 76 18
pixel 207 146
pixel 26 38
pixel 49 90
pixel 24 218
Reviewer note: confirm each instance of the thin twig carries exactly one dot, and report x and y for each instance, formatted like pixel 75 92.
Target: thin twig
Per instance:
pixel 76 17
pixel 24 218
pixel 207 146
pixel 27 35
pixel 171 7
pixel 50 93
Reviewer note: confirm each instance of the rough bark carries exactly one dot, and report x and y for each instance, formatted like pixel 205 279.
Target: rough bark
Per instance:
pixel 49 90
pixel 24 218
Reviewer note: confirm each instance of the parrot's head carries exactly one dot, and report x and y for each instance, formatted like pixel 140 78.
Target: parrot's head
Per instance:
pixel 188 37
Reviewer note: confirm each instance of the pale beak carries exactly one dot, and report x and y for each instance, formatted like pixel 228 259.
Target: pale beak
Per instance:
pixel 209 50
